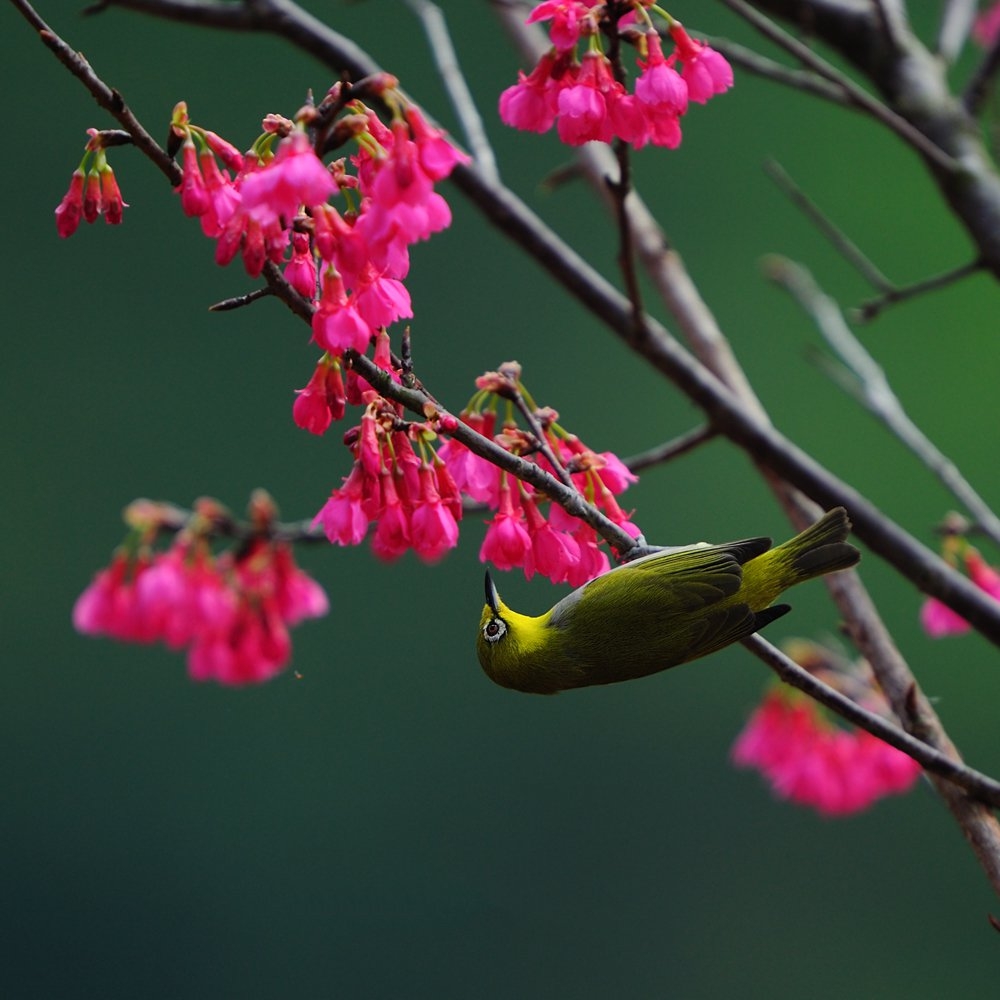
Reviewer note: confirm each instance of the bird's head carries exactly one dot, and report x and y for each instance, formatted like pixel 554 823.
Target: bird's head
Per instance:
pixel 510 645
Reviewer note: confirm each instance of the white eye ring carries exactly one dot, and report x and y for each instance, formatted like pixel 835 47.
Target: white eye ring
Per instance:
pixel 494 630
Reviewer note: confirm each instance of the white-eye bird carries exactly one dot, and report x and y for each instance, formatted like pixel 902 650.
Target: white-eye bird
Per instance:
pixel 656 612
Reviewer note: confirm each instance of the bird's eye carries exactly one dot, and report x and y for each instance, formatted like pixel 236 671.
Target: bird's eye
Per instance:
pixel 494 629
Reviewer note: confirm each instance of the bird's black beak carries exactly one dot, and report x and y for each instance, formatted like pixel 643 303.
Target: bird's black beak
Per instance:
pixel 492 597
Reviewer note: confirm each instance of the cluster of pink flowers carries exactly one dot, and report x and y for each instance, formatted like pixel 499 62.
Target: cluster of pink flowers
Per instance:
pixel 560 547
pixel 936 617
pixel 93 190
pixel 416 501
pixel 231 612
pixel 811 761
pixel 581 95
pixel 348 262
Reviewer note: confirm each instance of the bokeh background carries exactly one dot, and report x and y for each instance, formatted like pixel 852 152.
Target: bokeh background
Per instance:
pixel 385 822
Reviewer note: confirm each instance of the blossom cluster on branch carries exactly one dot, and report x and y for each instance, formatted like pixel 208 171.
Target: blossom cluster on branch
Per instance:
pixel 585 96
pixel 807 757
pixel 230 610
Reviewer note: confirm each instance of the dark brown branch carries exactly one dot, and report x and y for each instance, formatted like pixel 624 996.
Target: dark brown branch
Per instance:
pixel 106 97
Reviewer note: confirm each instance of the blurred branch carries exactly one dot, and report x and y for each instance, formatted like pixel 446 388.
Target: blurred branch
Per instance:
pixel 891 293
pixel 455 85
pixel 770 69
pixel 902 293
pixel 872 388
pixel 852 92
pixel 981 83
pixel 914 83
pixel 956 21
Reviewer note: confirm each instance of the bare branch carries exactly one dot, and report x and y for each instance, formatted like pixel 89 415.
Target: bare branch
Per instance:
pixel 900 293
pixel 956 21
pixel 981 786
pixel 106 97
pixel 874 389
pixel 457 89
pixel 670 450
pixel 852 92
pixel 840 241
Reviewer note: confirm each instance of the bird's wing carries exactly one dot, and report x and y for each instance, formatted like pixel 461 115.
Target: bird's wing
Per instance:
pixel 670 606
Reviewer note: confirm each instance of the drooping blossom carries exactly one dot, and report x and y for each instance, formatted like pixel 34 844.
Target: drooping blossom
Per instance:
pixel 93 191
pixel 507 543
pixel 705 71
pixel 582 97
pixel 936 618
pixel 811 761
pixel 986 27
pixel 69 212
pixel 231 612
pixel 295 178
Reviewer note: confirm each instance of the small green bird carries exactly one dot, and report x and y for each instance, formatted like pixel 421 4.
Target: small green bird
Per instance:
pixel 656 612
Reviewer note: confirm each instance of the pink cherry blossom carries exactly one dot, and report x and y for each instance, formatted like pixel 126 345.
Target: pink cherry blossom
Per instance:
pixel 295 177
pixel 810 761
pixel 938 620
pixel 507 543
pixel 70 210
pixel 343 516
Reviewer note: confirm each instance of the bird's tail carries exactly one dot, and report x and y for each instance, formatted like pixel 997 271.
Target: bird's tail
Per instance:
pixel 822 548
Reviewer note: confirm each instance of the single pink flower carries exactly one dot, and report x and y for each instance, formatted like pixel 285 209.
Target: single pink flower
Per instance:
pixel 343 516
pixel 195 199
pixel 530 104
pixel 69 212
pixel 705 71
pixel 583 106
pixel 659 86
pixel 987 26
pixel 300 271
pixel 93 203
pixel 111 197
pixel 938 620
pixel 336 324
pixel 433 528
pixel 985 577
pixel 296 177
pixel 507 543
pixel 554 554
pixel 392 534
pixel 438 156
pixel 311 410
pixel 566 17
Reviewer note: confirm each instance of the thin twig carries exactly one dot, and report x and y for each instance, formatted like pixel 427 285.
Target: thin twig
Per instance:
pixel 974 782
pixel 874 389
pixel 106 97
pixel 670 450
pixel 900 293
pixel 891 293
pixel 852 92
pixel 840 241
pixel 239 301
pixel 770 69
pixel 436 29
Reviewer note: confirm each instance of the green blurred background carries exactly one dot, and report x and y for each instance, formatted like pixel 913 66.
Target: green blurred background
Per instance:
pixel 390 824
